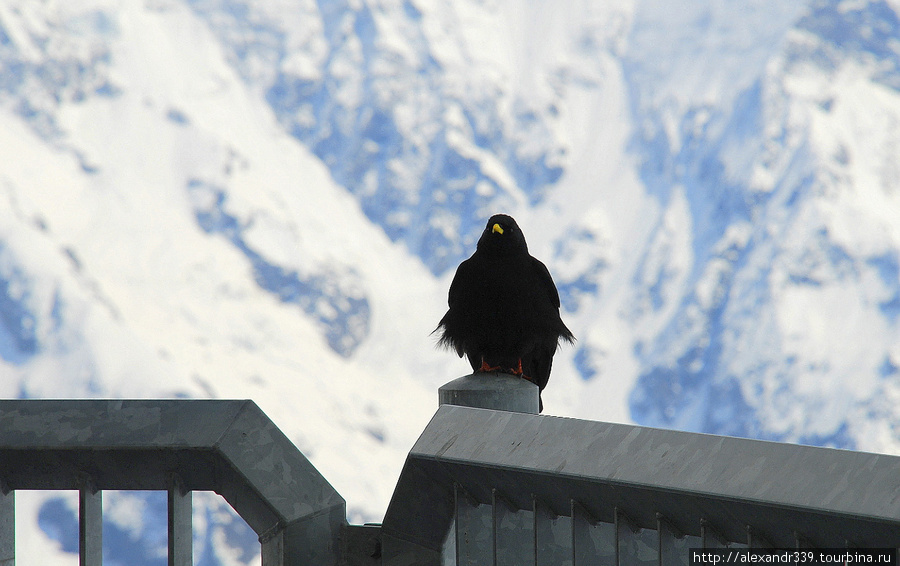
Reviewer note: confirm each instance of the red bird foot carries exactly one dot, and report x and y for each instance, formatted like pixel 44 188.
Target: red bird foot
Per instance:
pixel 487 368
pixel 517 371
pixel 521 373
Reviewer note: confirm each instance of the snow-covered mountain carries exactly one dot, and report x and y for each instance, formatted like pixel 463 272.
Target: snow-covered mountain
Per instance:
pixel 267 199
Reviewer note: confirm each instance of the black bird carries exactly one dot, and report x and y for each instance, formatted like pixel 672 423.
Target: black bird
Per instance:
pixel 504 307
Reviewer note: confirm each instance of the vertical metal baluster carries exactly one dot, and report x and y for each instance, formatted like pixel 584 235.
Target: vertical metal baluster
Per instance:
pixel 90 524
pixel 800 541
pixel 621 523
pixel 625 530
pixel 710 537
pixel 674 545
pixel 181 543
pixel 448 552
pixel 625 533
pixel 755 539
pixel 458 523
pixel 542 534
pixel 272 547
pixel 583 551
pixel 667 535
pixel 7 525
pixel 578 526
pixel 496 510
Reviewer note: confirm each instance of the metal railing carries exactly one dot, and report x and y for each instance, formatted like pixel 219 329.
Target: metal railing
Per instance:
pixel 480 487
pixel 180 446
pixel 494 487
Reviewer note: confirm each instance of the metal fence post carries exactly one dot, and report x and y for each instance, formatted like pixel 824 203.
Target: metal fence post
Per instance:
pixel 181 539
pixel 273 548
pixel 90 524
pixel 498 391
pixel 227 446
pixel 7 525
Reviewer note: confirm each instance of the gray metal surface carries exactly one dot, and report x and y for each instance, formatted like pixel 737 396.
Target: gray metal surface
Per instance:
pixel 674 546
pixel 230 447
pixel 361 545
pixel 699 484
pixel 593 542
pixel 513 534
pixel 90 525
pixel 635 546
pixel 498 391
pixel 479 486
pixel 552 536
pixel 7 526
pixel 474 532
pixel 181 531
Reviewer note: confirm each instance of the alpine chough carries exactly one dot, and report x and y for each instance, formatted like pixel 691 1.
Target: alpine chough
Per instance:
pixel 504 307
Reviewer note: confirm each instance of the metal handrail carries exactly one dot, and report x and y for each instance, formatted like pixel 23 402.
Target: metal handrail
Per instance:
pixel 502 477
pixel 691 484
pixel 180 446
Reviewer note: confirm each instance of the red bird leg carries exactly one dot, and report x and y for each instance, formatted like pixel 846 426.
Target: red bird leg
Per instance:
pixel 521 372
pixel 486 368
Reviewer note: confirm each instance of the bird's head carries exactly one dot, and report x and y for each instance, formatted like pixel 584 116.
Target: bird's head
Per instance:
pixel 502 235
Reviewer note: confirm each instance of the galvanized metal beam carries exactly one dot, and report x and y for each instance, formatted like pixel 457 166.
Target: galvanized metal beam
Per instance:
pixel 784 492
pixel 230 447
pixel 361 545
pixel 273 549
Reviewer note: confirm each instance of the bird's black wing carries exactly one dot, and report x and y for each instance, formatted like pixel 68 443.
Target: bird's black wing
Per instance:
pixel 456 286
pixel 546 280
pixel 552 293
pixel 456 298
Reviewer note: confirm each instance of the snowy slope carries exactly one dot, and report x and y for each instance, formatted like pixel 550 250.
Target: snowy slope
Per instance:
pixel 785 310
pixel 267 199
pixel 119 284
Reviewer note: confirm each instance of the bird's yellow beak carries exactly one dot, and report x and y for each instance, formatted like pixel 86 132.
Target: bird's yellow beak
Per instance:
pixel 497 228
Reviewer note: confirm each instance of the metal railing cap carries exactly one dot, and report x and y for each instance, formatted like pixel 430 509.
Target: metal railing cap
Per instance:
pixel 734 482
